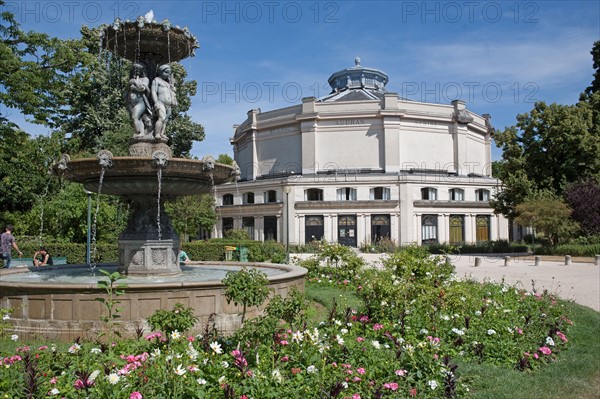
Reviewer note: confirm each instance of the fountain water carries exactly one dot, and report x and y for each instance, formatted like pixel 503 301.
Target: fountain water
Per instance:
pixel 62 308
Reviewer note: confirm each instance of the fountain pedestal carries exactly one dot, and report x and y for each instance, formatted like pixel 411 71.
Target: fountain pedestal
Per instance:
pixel 148 257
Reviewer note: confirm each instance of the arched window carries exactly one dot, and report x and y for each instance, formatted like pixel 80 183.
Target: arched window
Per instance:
pixel 270 196
pixel 249 198
pixel 380 193
pixel 313 194
pixel 482 195
pixel 429 229
pixel 429 193
pixel 346 194
pixel 228 199
pixel 457 194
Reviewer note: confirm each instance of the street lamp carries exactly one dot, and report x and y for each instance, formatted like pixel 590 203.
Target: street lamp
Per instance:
pixel 287 190
pixel 88 259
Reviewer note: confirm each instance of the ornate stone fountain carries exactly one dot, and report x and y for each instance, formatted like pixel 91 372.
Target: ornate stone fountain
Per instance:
pixel 149 176
pixel 54 302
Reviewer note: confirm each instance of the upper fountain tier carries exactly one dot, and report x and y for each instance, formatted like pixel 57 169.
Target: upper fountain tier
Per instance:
pixel 144 40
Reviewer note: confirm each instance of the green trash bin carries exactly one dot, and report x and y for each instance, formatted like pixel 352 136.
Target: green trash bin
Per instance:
pixel 243 254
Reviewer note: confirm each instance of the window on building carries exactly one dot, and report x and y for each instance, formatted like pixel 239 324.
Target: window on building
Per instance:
pixel 270 228
pixel 228 199
pixel 380 227
pixel 270 196
pixel 248 225
pixel 482 225
pixel 249 198
pixel 457 194
pixel 313 228
pixel 457 229
pixel 227 225
pixel 482 195
pixel 346 194
pixel 429 193
pixel 429 229
pixel 313 194
pixel 380 193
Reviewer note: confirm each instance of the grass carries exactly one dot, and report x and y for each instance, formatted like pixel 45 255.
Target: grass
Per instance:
pixel 575 375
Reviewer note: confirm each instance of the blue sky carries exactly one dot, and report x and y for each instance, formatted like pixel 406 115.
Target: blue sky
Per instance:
pixel 498 56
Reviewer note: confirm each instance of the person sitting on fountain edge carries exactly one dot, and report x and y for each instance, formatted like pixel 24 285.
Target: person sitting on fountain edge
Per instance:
pixel 42 258
pixel 183 257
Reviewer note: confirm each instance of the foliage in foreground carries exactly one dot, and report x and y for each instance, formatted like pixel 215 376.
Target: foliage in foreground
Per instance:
pixel 414 325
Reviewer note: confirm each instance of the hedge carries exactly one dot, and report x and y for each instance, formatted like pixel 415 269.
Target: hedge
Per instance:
pixel 569 249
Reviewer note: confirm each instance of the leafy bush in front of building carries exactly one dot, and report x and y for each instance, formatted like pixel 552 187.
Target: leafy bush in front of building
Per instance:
pixel 569 249
pixel 487 247
pixel 214 250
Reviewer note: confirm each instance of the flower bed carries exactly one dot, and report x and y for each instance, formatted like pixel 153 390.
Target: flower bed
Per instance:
pixel 415 321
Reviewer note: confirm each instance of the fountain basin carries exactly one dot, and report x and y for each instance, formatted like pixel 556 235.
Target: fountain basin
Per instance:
pixel 66 310
pixel 138 176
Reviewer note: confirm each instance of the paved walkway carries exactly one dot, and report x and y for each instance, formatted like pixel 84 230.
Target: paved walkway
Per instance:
pixel 579 282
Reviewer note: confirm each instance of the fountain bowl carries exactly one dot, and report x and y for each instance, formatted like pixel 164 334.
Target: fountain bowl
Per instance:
pixel 138 176
pixel 63 310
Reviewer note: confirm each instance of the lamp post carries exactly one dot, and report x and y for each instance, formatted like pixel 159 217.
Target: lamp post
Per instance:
pixel 89 227
pixel 287 190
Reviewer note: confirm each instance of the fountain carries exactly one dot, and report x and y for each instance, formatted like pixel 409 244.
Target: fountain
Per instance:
pixel 57 304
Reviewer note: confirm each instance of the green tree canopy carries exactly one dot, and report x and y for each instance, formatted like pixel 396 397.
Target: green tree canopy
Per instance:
pixel 549 148
pixel 192 212
pixel 548 215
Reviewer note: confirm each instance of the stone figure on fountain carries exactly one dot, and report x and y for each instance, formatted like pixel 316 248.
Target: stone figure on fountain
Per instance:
pixel 164 98
pixel 150 102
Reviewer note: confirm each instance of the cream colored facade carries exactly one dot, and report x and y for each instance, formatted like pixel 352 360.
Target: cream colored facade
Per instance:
pixel 361 164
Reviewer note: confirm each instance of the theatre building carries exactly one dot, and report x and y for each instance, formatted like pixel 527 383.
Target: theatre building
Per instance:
pixel 361 164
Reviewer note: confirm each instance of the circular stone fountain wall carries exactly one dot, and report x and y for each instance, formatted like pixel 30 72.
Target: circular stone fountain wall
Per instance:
pixel 64 311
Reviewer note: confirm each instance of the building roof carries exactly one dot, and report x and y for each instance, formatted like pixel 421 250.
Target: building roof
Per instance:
pixel 357 84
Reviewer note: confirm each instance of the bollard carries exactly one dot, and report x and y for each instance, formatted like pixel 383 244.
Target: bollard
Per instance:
pixel 506 260
pixel 597 260
pixel 477 261
pixel 538 261
pixel 567 260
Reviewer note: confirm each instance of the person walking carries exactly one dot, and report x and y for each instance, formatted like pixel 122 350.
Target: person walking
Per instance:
pixel 7 243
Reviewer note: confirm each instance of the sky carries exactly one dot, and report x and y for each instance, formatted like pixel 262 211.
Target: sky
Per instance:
pixel 500 57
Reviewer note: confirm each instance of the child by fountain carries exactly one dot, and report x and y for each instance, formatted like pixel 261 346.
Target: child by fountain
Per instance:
pixel 42 258
pixel 7 242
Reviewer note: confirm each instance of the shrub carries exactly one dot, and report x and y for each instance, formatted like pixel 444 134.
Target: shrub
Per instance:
pixel 248 287
pixel 179 319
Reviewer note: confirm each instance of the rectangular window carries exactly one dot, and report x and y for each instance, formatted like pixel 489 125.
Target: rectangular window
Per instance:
pixel 249 198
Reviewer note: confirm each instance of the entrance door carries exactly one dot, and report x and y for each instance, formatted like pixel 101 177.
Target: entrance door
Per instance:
pixel 347 230
pixel 313 228
pixel 270 228
pixel 380 227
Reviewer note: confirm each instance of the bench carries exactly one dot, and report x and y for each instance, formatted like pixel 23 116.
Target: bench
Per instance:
pixel 28 262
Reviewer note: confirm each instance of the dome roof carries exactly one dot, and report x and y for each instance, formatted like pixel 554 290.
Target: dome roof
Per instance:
pixel 358 77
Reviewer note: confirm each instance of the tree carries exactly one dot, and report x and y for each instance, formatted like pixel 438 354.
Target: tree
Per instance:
pixel 547 215
pixel 192 212
pixel 584 199
pixel 225 159
pixel 550 147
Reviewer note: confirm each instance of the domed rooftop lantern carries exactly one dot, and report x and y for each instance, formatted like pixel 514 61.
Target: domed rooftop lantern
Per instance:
pixel 358 77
